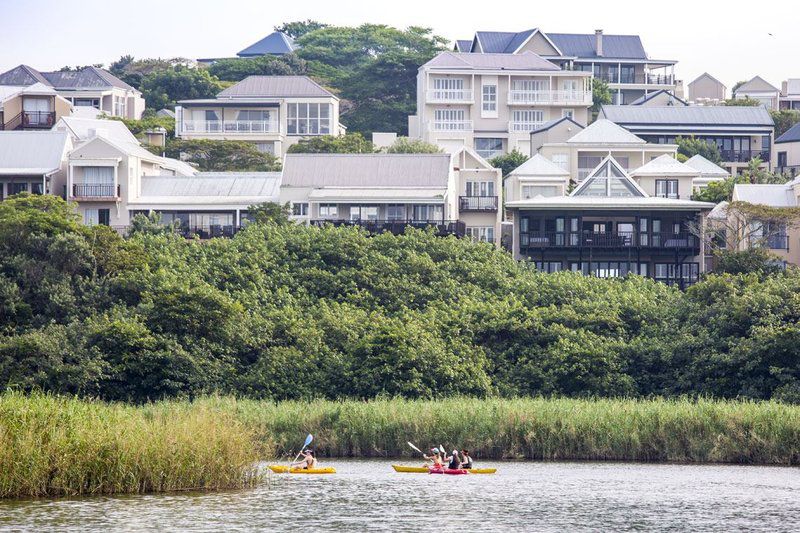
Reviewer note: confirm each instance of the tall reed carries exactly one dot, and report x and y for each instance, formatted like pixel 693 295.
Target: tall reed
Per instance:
pixel 551 429
pixel 59 446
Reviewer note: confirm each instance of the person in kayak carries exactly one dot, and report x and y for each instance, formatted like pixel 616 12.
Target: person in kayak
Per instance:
pixel 466 460
pixel 453 462
pixel 436 458
pixel 308 461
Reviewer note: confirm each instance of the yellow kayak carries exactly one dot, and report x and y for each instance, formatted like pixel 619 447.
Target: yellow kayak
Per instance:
pixel 424 469
pixel 283 469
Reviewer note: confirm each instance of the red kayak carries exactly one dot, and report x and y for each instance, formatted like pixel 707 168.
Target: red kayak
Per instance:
pixel 448 471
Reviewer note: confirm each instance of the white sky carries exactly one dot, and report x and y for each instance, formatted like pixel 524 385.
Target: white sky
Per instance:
pixel 732 43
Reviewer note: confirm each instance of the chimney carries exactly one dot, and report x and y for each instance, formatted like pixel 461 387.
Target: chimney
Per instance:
pixel 598 37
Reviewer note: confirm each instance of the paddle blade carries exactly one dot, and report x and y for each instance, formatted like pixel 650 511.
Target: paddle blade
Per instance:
pixel 308 440
pixel 441 449
pixel 415 448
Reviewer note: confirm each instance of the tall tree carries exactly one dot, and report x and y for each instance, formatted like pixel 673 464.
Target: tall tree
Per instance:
pixel 374 68
pixel 351 143
pixel 163 88
pixel 508 162
pixel 239 68
pixel 219 156
pixel 299 28
pixel 784 119
pixel 691 146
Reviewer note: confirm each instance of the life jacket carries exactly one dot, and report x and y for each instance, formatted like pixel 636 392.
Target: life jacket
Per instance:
pixel 454 463
pixel 467 462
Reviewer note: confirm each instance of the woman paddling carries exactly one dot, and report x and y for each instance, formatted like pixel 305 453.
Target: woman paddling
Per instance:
pixel 466 460
pixel 308 462
pixel 436 458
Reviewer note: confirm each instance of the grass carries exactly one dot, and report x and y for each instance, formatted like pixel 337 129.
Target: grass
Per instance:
pixel 51 446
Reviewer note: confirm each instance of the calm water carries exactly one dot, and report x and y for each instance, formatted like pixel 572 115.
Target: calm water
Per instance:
pixel 369 495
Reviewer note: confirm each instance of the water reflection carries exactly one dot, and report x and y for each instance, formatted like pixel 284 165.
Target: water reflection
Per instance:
pixel 369 495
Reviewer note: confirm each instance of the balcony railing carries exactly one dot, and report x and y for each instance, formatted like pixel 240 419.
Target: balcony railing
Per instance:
pixel 609 240
pixel 38 119
pixel 523 127
pixel 451 125
pixel 637 79
pixel 398 227
pixel 233 127
pixel 95 190
pixel 743 156
pixel 478 203
pixel 449 95
pixel 549 97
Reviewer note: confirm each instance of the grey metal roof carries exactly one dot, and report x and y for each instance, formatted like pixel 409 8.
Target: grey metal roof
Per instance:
pixel 539 165
pixel 275 87
pixel 765 194
pixel 463 45
pixel 366 170
pixel 22 75
pixel 204 185
pixel 81 129
pixel 626 115
pixel 276 43
pixel 647 97
pixel 550 123
pixel 524 61
pixel 706 167
pixel 31 152
pixel 584 45
pixel 86 78
pixel 165 113
pixel 756 84
pixel 791 135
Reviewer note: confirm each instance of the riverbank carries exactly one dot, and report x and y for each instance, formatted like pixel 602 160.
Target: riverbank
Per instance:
pixel 52 446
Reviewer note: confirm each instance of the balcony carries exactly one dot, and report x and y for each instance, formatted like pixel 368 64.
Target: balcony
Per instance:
pixel 95 191
pixel 637 79
pixel 547 97
pixel 477 203
pixel 523 127
pixel 610 240
pixel 449 96
pixel 456 126
pixel 398 227
pixel 744 156
pixel 233 127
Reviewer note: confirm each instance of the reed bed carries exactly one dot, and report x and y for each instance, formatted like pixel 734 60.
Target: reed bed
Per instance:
pixel 680 430
pixel 52 446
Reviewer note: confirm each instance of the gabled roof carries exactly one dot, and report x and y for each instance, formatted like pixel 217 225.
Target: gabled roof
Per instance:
pixel 603 131
pixel 551 123
pixel 463 46
pixel 275 87
pixel 584 45
pixel 538 165
pixel 665 165
pixel 706 75
pixel 86 78
pixel 22 75
pixel 765 194
pixel 647 97
pixel 688 115
pixel 81 129
pixel 609 180
pixel 276 43
pixel 366 170
pixel 791 135
pixel 208 187
pixel 706 168
pixel 500 42
pixel 135 150
pixel 524 61
pixel 31 152
pixel 756 84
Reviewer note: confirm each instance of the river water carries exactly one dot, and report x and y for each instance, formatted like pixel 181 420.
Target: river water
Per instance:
pixel 369 495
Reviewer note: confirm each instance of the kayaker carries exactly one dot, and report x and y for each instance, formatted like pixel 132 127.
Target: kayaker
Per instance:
pixel 454 462
pixel 308 461
pixel 436 458
pixel 466 460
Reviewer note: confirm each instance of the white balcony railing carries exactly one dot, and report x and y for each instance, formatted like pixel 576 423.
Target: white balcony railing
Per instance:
pixel 230 127
pixel 549 97
pixel 523 127
pixel 449 95
pixel 450 125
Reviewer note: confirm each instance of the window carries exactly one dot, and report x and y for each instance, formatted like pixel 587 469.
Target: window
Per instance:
pixel 16 188
pixel 609 269
pixel 37 188
pixel 448 89
pixel 450 120
pixel 86 102
pixel 489 148
pixel 561 160
pixel 782 159
pixel 481 233
pixel 300 209
pixel 532 191
pixel 670 273
pixel 98 175
pixel 480 188
pixel 266 148
pixel 548 266
pixel 94 217
pixel 119 106
pixel 363 212
pixel 569 113
pixel 526 120
pixel 328 210
pixel 427 212
pixel 489 99
pixel 251 120
pixel 308 119
pixel 396 212
pixel 667 189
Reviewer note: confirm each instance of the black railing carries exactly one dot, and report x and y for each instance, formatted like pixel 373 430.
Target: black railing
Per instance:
pixel 743 156
pixel 609 240
pixel 397 227
pixel 94 190
pixel 478 203
pixel 641 78
pixel 38 119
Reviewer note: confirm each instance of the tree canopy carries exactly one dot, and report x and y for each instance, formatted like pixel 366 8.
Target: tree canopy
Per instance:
pixel 508 162
pixel 351 143
pixel 237 69
pixel 163 88
pixel 691 146
pixel 405 145
pixel 221 156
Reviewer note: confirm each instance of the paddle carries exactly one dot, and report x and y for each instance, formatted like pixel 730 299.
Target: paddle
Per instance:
pixel 417 449
pixel 305 445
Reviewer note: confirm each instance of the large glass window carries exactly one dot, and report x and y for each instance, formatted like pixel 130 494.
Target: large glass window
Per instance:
pixel 308 119
pixel 450 120
pixel 396 212
pixel 480 188
pixel 16 188
pixel 481 233
pixel 363 212
pixel 532 191
pixel 489 148
pixel 98 175
pixel 526 120
pixel 328 210
pixel 427 212
pixel 300 209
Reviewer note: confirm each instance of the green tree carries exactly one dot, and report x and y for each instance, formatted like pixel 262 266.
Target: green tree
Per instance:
pixel 784 119
pixel 138 127
pixel 741 102
pixel 239 68
pixel 132 71
pixel 601 95
pixel 351 143
pixel 753 260
pixel 221 156
pixel 163 88
pixel 373 68
pixel 717 191
pixel 508 162
pixel 691 146
pixel 737 85
pixel 405 145
pixel 297 29
pixel 270 212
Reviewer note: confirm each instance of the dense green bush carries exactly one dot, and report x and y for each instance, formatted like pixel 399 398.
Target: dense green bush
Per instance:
pixel 286 311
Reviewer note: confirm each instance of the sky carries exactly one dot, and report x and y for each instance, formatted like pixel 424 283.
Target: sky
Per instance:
pixel 730 43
